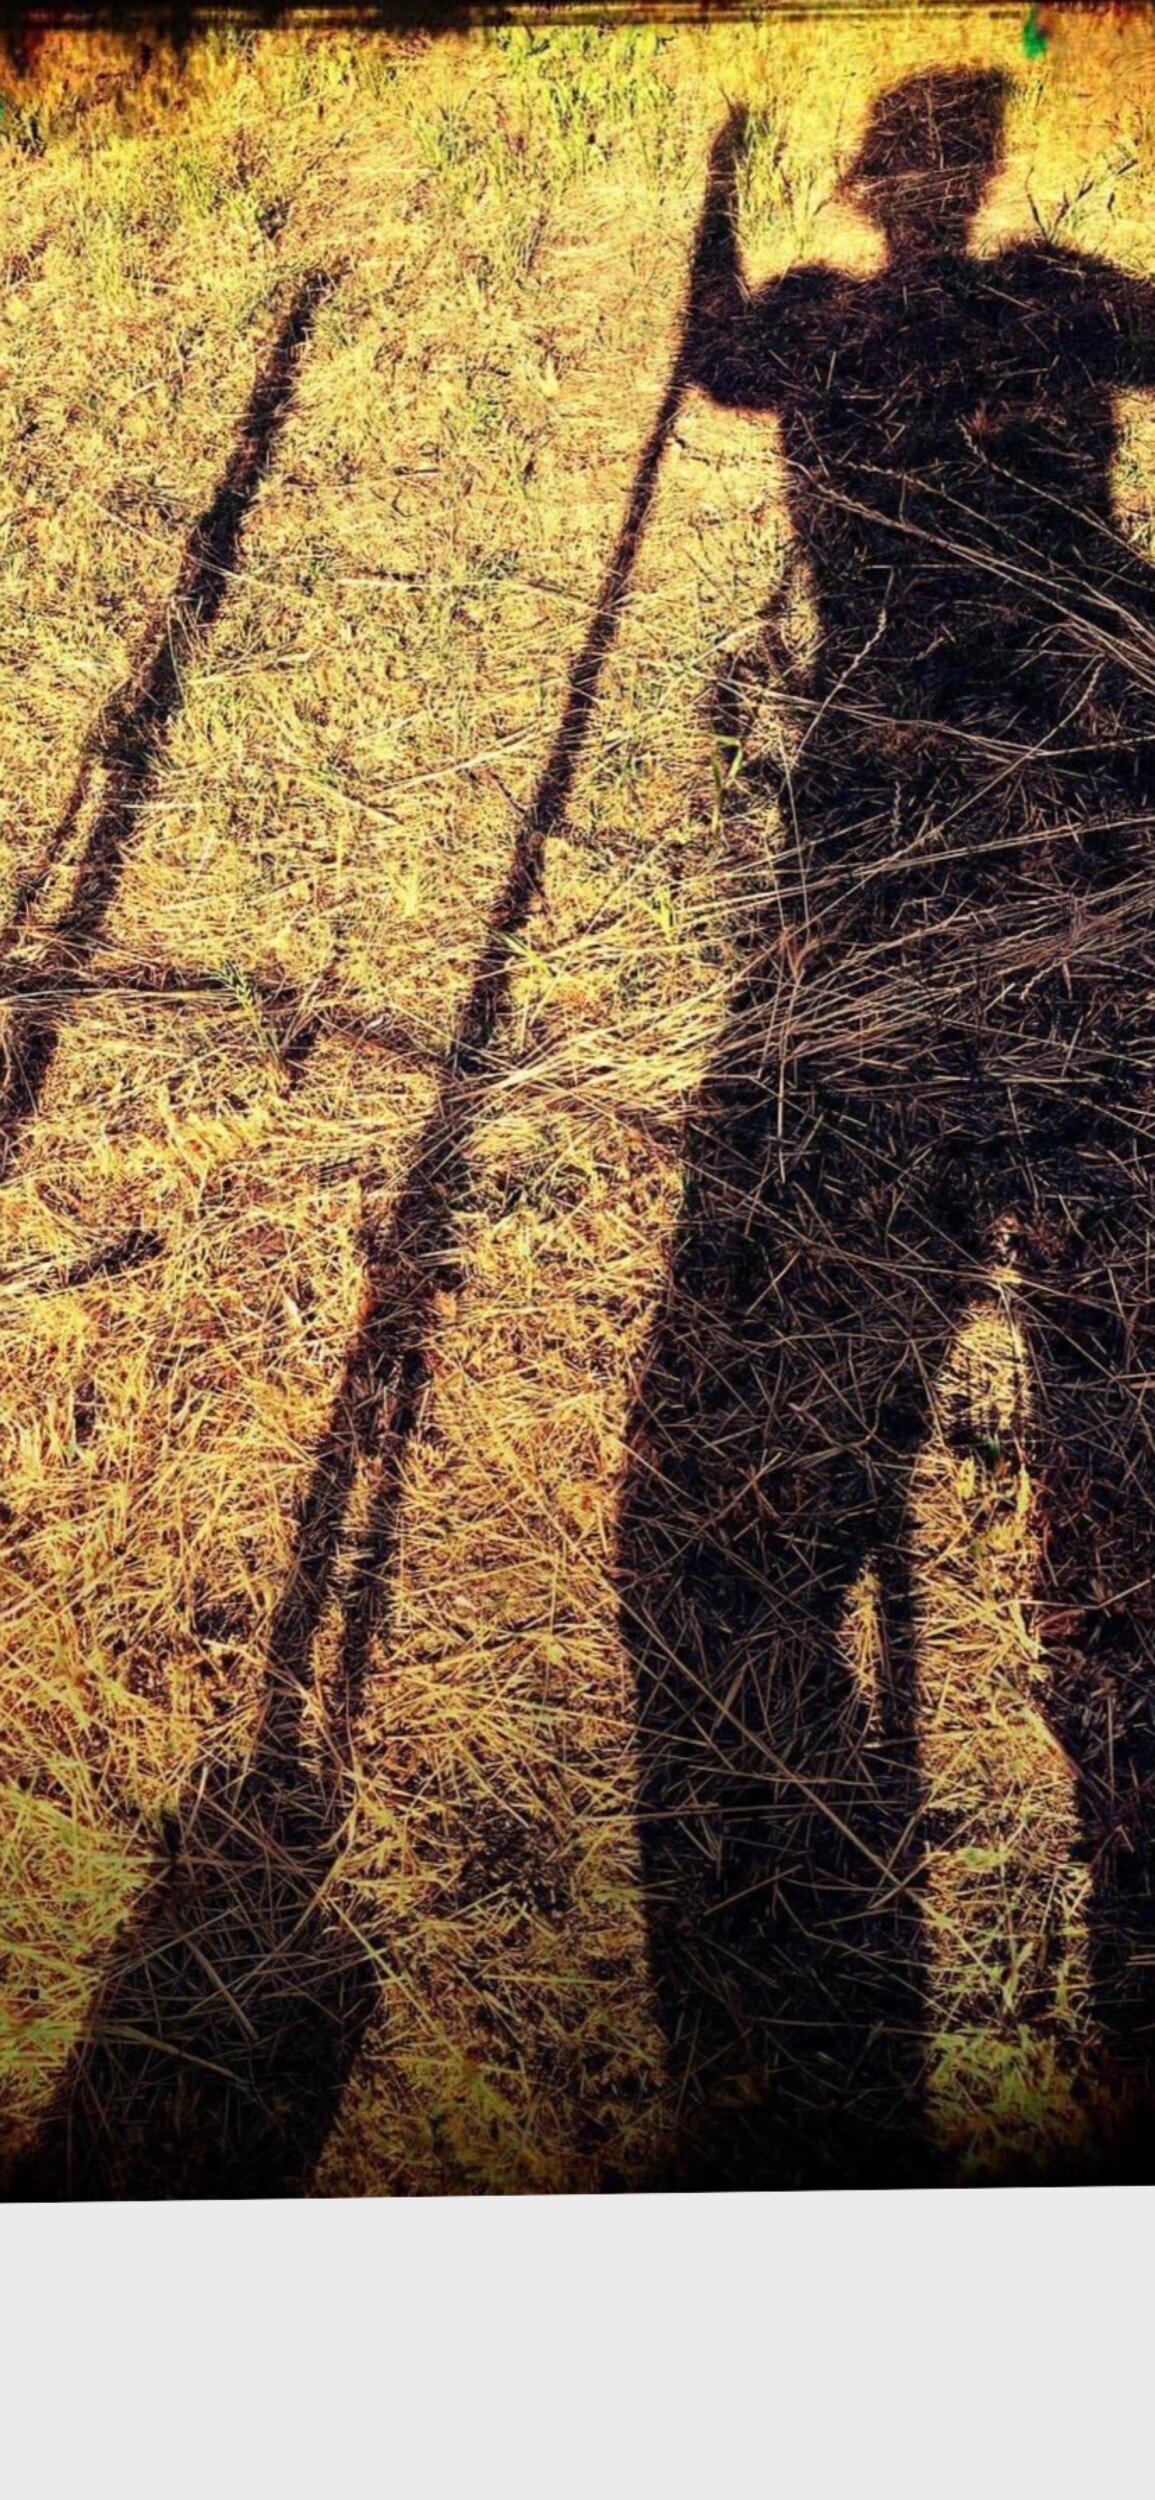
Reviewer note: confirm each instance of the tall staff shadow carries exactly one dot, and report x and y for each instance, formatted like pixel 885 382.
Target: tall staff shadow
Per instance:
pixel 939 1055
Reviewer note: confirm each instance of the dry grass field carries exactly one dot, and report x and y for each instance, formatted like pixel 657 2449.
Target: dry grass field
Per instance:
pixel 341 1178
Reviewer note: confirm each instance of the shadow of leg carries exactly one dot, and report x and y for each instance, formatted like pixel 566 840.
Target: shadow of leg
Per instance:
pixel 1094 1336
pixel 784 1397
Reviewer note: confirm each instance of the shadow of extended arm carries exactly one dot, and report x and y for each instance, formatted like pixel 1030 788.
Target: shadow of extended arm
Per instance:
pixel 724 352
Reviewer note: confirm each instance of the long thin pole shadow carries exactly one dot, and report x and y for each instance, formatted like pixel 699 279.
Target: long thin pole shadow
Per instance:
pixel 378 1402
pixel 127 741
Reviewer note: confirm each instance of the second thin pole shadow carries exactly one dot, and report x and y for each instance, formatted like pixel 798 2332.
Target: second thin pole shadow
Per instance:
pixel 128 740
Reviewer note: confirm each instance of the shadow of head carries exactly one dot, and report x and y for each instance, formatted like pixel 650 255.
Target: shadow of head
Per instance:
pixel 931 149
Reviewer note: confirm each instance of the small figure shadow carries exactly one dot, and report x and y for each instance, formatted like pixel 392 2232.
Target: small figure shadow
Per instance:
pixel 939 1056
pixel 233 1920
pixel 234 2005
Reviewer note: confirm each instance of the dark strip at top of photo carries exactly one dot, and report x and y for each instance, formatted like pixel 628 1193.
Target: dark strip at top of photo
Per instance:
pixel 179 23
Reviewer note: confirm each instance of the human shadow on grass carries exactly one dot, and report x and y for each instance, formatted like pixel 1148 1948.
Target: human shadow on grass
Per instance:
pixel 126 746
pixel 220 2040
pixel 112 2127
pixel 938 1060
